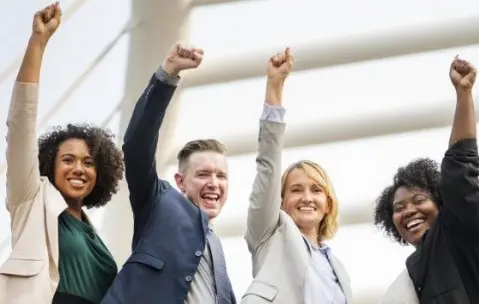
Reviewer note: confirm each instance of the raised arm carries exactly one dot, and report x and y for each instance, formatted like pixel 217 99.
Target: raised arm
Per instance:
pixel 460 166
pixel 463 76
pixel 265 199
pixel 23 177
pixel 141 137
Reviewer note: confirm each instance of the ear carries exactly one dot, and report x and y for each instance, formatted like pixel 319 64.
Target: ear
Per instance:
pixel 179 179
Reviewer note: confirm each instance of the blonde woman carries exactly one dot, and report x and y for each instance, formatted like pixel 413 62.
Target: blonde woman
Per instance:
pixel 290 218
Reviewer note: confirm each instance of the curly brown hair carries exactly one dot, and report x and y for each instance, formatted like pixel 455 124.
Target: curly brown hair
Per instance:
pixel 108 158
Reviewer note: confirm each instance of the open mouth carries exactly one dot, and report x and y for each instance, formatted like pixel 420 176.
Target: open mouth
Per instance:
pixel 210 198
pixel 414 224
pixel 77 182
pixel 307 208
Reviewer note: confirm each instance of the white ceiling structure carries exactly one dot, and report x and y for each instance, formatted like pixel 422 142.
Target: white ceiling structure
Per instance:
pixel 370 92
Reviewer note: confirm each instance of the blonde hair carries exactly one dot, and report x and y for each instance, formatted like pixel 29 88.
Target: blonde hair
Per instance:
pixel 329 224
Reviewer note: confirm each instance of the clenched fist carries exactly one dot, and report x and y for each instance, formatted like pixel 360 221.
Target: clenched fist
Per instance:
pixel 46 21
pixel 462 74
pixel 280 65
pixel 181 58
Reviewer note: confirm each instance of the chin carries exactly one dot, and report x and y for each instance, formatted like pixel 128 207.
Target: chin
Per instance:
pixel 75 195
pixel 212 213
pixel 307 222
pixel 312 218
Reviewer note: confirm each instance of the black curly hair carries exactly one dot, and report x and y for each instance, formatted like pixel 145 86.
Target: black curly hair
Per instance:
pixel 108 158
pixel 420 174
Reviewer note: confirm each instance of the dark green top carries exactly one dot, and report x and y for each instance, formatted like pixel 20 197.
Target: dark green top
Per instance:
pixel 86 267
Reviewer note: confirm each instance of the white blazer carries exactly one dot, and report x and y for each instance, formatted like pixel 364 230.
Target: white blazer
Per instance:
pixel 401 291
pixel 280 255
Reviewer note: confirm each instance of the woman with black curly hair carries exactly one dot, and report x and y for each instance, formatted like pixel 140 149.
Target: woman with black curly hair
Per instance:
pixel 437 211
pixel 57 256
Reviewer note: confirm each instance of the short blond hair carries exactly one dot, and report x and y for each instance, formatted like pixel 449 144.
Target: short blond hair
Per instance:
pixel 329 225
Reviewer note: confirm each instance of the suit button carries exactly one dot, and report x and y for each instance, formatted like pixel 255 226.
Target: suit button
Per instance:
pixel 198 253
pixel 188 279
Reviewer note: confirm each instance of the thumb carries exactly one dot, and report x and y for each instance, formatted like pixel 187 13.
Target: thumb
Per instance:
pixel 455 74
pixel 197 56
pixel 57 14
pixel 471 76
pixel 453 63
pixel 289 56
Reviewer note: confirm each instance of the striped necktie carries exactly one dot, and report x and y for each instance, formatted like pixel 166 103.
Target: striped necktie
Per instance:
pixel 224 290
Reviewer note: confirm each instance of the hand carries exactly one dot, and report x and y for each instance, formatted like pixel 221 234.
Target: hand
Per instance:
pixel 462 74
pixel 181 58
pixel 280 65
pixel 46 22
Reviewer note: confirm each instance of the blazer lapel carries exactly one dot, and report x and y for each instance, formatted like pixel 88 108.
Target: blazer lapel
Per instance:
pixel 343 278
pixel 54 205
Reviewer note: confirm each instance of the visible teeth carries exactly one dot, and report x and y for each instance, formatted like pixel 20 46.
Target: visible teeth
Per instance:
pixel 77 182
pixel 414 222
pixel 211 196
pixel 306 209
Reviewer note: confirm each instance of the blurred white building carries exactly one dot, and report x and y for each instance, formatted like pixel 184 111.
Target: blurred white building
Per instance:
pixel 370 92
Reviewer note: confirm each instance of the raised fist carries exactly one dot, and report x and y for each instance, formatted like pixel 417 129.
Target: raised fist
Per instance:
pixel 462 74
pixel 181 58
pixel 46 21
pixel 280 65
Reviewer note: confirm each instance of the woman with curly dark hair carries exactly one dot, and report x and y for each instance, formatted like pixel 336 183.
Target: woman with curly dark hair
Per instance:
pixel 437 211
pixel 57 256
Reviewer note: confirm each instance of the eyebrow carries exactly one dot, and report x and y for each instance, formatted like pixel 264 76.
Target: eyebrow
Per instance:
pixel 210 171
pixel 412 197
pixel 74 156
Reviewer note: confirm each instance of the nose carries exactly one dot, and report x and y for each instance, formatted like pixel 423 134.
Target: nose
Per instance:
pixel 213 182
pixel 79 168
pixel 410 211
pixel 307 196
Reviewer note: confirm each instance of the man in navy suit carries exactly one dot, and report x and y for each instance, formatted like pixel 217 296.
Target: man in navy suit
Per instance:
pixel 176 257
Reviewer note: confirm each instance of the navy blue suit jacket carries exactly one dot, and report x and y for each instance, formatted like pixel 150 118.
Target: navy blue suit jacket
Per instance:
pixel 169 231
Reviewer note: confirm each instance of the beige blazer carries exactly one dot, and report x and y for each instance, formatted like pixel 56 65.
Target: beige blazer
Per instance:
pixel 280 255
pixel 401 291
pixel 30 274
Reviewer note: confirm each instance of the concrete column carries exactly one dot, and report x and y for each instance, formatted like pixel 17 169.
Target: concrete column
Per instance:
pixel 161 24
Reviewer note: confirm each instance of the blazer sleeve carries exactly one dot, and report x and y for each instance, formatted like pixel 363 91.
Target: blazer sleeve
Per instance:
pixel 140 144
pixel 265 198
pixel 459 183
pixel 23 174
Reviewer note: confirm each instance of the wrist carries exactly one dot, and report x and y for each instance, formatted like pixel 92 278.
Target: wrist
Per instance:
pixel 274 95
pixel 274 91
pixel 38 41
pixel 463 92
pixel 275 82
pixel 170 69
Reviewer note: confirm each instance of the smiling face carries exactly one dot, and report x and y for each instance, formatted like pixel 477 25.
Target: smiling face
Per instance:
pixel 304 199
pixel 413 213
pixel 75 172
pixel 204 181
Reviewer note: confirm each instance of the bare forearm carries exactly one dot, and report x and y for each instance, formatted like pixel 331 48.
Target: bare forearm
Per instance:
pixel 464 125
pixel 274 92
pixel 32 61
